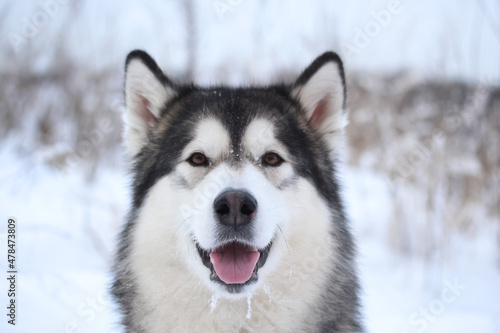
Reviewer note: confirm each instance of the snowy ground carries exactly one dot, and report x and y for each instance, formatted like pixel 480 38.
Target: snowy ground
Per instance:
pixel 405 294
pixel 67 228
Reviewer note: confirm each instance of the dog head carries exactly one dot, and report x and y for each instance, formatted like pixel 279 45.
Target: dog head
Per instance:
pixel 219 171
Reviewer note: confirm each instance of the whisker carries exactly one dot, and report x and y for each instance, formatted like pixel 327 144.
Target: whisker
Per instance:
pixel 279 119
pixel 187 218
pixel 290 259
pixel 286 242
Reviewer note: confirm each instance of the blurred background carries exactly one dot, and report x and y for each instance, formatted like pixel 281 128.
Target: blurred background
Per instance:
pixel 422 173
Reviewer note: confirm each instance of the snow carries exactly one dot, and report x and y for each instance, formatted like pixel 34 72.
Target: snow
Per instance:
pixel 249 309
pixel 65 238
pixel 213 302
pixel 67 227
pixel 399 288
pixel 267 290
pixel 434 39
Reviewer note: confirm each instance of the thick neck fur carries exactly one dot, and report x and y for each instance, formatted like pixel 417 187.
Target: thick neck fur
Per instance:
pixel 175 299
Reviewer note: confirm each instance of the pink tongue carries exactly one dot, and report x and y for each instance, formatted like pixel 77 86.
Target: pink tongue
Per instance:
pixel 234 263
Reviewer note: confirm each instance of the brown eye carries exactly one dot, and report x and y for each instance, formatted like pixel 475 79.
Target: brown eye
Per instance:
pixel 198 159
pixel 271 159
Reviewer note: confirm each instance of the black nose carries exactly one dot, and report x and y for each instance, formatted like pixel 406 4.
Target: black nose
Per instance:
pixel 235 208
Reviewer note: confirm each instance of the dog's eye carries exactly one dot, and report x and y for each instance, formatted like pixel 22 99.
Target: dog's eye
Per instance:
pixel 198 159
pixel 271 159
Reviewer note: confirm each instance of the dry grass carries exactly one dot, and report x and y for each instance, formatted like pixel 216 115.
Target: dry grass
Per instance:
pixel 58 115
pixel 436 143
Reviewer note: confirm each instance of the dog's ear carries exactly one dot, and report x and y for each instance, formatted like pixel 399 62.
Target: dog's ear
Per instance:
pixel 321 91
pixel 147 91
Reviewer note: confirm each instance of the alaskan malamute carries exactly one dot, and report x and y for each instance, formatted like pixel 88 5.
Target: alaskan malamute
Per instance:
pixel 236 224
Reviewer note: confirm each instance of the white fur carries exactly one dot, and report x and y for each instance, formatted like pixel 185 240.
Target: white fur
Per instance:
pixel 211 139
pixel 164 261
pixel 174 285
pixel 258 139
pixel 141 83
pixel 327 84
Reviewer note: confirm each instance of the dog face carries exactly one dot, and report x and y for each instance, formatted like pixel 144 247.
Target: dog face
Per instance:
pixel 222 172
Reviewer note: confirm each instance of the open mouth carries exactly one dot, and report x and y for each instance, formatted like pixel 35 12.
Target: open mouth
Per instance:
pixel 234 264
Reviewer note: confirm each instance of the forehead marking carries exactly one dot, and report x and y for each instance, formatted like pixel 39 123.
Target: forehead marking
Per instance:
pixel 259 137
pixel 211 138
